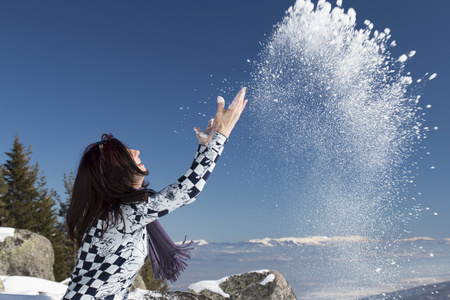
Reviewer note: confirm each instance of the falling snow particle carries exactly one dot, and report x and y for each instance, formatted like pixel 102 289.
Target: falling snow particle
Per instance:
pixel 433 76
pixel 403 58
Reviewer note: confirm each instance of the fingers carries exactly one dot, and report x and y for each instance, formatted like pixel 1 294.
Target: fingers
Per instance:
pixel 210 127
pixel 220 105
pixel 214 124
pixel 244 103
pixel 238 100
pixel 211 123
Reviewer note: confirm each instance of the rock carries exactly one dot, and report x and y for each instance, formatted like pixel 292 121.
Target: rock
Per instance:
pixel 150 295
pixel 27 254
pixel 256 285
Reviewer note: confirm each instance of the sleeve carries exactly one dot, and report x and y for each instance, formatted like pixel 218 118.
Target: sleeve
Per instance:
pixel 184 190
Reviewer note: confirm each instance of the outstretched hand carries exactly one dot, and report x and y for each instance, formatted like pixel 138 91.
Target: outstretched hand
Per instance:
pixel 205 136
pixel 225 120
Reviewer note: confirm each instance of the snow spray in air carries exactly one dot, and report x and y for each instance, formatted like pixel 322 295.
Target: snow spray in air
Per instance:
pixel 340 117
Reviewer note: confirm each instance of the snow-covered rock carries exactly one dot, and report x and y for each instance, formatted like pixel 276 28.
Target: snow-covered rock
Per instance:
pixel 255 285
pixel 6 232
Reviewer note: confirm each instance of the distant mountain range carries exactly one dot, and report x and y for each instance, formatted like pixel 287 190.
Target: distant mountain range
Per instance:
pixel 322 240
pixel 318 267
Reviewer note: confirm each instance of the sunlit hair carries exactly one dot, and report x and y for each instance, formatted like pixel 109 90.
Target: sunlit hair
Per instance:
pixel 103 183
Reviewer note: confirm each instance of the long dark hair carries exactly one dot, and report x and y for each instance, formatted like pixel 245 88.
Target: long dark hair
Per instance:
pixel 102 184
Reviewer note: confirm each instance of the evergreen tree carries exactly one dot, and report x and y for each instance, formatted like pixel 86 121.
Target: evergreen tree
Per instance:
pixel 21 193
pixel 64 256
pixel 151 283
pixel 64 205
pixel 45 211
pixel 3 188
pixel 65 250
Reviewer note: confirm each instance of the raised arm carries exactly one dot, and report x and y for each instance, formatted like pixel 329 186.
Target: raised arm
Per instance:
pixel 188 186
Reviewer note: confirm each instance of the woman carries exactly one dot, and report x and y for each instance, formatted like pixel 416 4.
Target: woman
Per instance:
pixel 112 216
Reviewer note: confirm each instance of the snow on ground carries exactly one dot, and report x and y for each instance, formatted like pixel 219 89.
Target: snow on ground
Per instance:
pixel 6 232
pixel 31 288
pixel 28 297
pixel 25 287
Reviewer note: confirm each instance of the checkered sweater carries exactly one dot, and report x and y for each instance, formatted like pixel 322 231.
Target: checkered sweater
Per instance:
pixel 106 267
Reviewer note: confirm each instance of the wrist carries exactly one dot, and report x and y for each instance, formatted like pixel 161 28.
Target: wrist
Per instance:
pixel 224 131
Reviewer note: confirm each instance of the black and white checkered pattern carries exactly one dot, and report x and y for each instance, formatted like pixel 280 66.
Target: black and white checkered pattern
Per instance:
pixel 106 267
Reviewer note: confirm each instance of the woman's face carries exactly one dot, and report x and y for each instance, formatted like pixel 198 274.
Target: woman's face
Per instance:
pixel 138 179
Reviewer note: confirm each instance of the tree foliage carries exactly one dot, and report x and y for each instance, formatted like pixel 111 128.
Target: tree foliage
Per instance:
pixel 151 283
pixel 45 211
pixel 4 214
pixel 20 198
pixel 65 250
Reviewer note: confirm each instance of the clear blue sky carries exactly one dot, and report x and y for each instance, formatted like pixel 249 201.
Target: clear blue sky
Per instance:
pixel 149 71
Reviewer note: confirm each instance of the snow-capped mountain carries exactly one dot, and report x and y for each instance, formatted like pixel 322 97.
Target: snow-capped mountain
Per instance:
pixel 311 240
